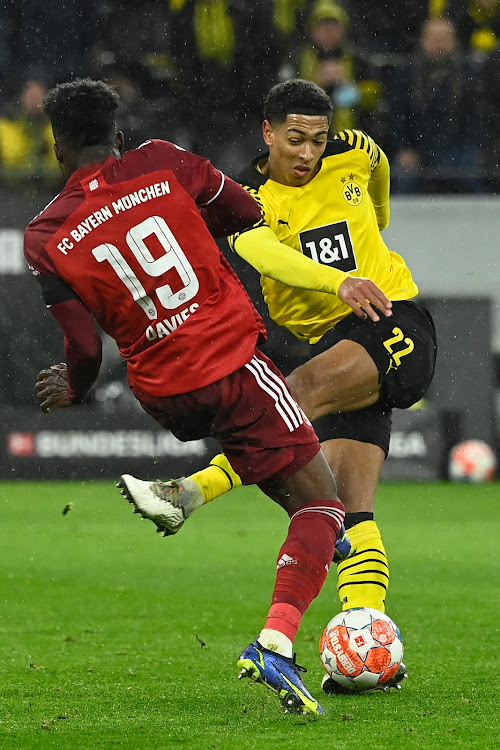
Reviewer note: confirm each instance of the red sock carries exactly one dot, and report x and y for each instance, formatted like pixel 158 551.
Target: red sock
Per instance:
pixel 303 563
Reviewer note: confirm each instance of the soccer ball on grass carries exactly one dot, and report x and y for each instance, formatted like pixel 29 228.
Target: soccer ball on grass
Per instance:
pixel 472 461
pixel 361 649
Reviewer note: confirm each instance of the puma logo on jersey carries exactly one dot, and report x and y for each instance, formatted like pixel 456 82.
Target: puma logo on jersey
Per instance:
pixel 282 221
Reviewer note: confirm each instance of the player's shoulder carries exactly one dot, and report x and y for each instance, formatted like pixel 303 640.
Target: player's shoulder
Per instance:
pixel 357 140
pixel 47 223
pixel 57 210
pixel 250 176
pixel 154 146
pixel 156 152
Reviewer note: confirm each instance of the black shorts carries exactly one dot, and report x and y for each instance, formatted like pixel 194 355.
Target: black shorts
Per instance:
pixel 403 348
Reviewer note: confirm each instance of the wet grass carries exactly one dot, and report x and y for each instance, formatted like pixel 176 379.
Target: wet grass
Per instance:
pixel 113 637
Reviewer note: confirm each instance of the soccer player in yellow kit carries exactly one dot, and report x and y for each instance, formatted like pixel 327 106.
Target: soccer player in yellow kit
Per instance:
pixel 327 201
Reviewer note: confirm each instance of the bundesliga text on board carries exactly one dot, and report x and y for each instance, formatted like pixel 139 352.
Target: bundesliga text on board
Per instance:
pixel 99 444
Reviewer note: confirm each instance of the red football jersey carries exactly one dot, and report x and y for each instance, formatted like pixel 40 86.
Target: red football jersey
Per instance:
pixel 127 236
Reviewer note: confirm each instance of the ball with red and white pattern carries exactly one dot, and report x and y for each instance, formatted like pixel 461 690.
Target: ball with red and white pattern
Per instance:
pixel 472 461
pixel 361 648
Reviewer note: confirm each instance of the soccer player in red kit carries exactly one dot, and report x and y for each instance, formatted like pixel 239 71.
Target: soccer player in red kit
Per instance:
pixel 127 244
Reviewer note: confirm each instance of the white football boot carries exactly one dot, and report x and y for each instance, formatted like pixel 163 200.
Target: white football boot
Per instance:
pixel 167 504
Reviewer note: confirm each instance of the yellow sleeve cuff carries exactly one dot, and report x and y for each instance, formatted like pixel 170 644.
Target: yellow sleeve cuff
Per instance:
pixel 261 248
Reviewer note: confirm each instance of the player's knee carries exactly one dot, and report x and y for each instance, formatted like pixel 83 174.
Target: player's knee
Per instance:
pixel 303 388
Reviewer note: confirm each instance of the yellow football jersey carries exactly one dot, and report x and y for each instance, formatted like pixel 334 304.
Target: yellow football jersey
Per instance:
pixel 331 219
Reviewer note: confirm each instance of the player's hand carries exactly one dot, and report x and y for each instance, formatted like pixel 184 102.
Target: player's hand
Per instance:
pixel 52 388
pixel 361 294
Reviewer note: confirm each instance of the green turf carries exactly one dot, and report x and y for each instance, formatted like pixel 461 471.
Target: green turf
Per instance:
pixel 113 637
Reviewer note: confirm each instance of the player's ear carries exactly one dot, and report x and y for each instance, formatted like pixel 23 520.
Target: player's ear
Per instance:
pixel 120 141
pixel 267 132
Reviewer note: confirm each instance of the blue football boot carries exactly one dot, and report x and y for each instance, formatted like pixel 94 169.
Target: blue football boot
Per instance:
pixel 343 546
pixel 281 674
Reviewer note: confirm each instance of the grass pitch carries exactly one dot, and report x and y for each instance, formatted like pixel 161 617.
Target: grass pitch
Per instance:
pixel 114 637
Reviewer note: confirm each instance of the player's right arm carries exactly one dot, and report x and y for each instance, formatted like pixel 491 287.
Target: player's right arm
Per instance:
pixel 233 210
pixel 82 344
pixel 65 385
pixel 261 248
pixel 225 205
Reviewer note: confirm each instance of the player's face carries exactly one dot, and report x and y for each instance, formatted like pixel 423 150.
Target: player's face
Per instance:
pixel 295 148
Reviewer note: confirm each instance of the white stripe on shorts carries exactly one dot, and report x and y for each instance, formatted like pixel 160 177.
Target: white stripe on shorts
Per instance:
pixel 335 513
pixel 281 387
pixel 276 388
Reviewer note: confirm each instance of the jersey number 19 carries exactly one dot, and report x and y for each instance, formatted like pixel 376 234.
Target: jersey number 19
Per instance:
pixel 173 257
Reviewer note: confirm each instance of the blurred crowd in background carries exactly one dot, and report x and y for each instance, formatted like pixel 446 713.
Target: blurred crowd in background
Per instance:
pixel 422 77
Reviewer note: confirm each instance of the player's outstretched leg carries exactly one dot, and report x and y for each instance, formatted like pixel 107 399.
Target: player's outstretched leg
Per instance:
pixel 281 674
pixel 190 493
pixel 168 504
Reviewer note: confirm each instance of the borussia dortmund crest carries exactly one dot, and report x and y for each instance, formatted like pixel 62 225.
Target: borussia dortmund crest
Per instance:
pixel 351 191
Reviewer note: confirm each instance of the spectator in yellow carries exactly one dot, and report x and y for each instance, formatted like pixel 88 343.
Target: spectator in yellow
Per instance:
pixel 478 23
pixel 26 138
pixel 328 61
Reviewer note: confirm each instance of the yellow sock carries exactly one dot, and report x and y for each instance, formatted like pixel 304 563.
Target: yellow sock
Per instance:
pixel 216 479
pixel 364 577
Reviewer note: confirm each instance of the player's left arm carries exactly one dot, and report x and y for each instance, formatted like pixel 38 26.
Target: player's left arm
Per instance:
pixel 379 182
pixel 379 188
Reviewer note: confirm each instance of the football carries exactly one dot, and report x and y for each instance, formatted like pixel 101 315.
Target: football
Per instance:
pixel 361 648
pixel 472 461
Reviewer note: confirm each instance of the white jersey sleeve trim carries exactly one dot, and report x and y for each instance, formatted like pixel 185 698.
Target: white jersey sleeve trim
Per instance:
pixel 218 191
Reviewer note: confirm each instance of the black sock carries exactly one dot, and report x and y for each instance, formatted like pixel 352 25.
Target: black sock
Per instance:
pixel 351 519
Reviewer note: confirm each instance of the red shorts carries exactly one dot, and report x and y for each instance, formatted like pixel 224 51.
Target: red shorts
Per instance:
pixel 261 429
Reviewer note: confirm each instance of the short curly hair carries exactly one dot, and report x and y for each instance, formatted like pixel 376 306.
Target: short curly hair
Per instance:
pixel 82 112
pixel 296 97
